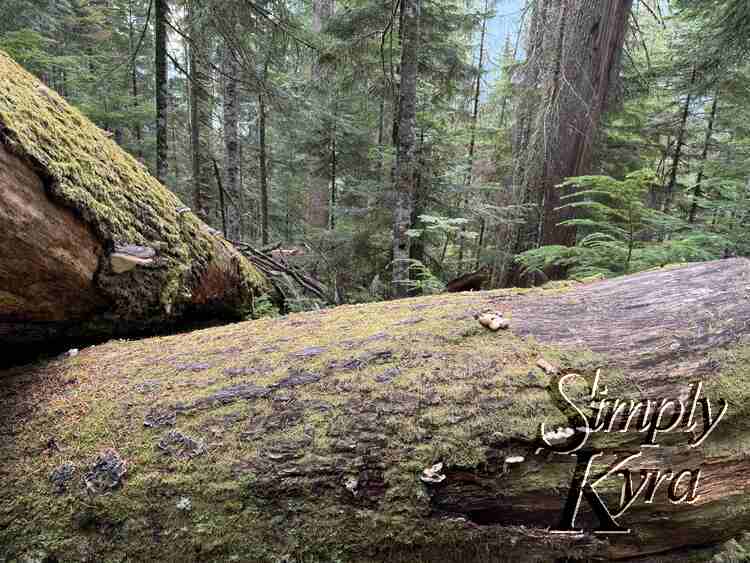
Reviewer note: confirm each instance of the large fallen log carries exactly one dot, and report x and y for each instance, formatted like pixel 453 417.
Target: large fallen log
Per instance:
pixel 397 431
pixel 90 243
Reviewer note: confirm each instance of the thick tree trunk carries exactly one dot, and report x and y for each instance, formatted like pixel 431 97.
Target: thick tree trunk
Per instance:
pixel 406 159
pixel 91 244
pixel 162 90
pixel 410 437
pixel 200 117
pixel 318 212
pixel 567 82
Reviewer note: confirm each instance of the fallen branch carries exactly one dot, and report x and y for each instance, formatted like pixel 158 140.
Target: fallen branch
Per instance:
pixel 274 268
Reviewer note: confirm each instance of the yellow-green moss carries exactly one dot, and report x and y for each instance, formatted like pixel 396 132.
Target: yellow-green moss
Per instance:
pixel 445 403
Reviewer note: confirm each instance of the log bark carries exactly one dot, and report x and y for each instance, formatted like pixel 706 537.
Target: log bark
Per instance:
pixel 398 431
pixel 91 244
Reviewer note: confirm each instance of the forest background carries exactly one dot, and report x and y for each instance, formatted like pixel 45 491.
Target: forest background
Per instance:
pixel 387 147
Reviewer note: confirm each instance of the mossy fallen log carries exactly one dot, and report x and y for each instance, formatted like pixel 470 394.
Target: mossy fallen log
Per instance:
pixel 90 243
pixel 396 431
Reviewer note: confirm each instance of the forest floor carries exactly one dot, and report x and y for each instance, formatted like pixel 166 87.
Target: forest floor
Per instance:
pixel 213 440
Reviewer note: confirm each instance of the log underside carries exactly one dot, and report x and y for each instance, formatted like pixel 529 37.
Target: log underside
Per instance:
pixel 48 256
pixel 305 437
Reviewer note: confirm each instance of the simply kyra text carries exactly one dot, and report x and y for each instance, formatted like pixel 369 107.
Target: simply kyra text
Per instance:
pixel 652 417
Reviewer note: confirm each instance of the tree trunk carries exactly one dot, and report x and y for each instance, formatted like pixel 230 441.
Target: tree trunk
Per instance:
pixel 134 77
pixel 406 161
pixel 669 191
pixel 472 137
pixel 697 192
pixel 231 139
pixel 318 213
pixel 318 437
pixel 162 91
pixel 566 84
pixel 334 163
pixel 200 117
pixel 91 244
pixel 263 169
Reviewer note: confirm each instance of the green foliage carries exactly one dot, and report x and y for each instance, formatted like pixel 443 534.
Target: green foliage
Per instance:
pixel 264 307
pixel 734 551
pixel 422 280
pixel 618 233
pixel 341 129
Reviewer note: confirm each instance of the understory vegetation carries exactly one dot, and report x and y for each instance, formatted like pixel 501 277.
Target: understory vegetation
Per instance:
pixel 386 148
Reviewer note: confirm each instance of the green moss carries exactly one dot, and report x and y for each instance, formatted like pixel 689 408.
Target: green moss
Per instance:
pixel 88 172
pixel 272 484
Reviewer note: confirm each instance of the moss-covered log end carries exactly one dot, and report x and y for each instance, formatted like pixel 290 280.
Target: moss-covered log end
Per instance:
pixel 93 242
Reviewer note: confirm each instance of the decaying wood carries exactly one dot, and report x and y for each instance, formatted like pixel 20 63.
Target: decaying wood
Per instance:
pixel 91 244
pixel 396 431
pixel 38 242
pixel 274 266
pixel 472 281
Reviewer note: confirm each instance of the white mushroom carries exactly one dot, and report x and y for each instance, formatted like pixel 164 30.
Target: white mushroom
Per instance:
pixel 351 484
pixel 433 474
pixel 493 320
pixel 558 435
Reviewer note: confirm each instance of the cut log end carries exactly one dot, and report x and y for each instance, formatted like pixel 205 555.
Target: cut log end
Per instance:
pixel 103 248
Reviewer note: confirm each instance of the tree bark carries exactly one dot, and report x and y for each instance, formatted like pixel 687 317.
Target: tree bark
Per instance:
pixel 200 116
pixel 566 83
pixel 231 139
pixel 334 163
pixel 406 160
pixel 162 91
pixel 388 440
pixel 263 172
pixel 134 77
pixel 318 213
pixel 669 190
pixel 91 244
pixel 697 192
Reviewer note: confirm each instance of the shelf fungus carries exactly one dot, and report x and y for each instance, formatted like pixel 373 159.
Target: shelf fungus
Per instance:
pixel 558 435
pixel 433 474
pixel 546 367
pixel 351 484
pixel 128 257
pixel 512 460
pixel 493 320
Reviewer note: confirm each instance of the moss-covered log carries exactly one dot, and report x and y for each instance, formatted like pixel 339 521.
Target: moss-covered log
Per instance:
pixel 91 243
pixel 319 436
